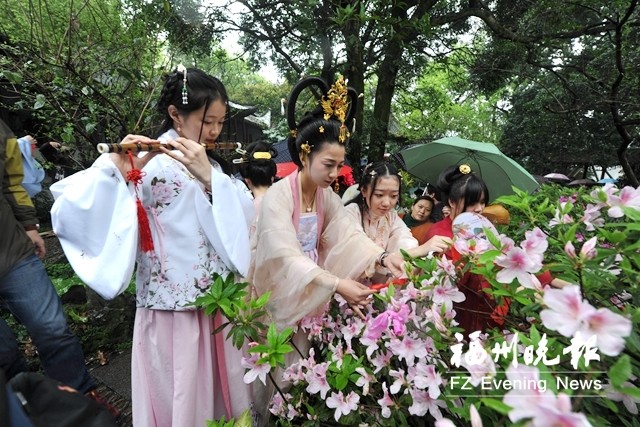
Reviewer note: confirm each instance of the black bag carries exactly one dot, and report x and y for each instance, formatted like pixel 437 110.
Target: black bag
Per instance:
pixel 48 403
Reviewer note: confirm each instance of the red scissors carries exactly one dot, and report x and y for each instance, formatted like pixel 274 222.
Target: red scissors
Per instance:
pixel 395 282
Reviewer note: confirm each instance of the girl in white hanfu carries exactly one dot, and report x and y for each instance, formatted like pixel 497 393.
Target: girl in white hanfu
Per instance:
pixel 305 247
pixel 374 212
pixel 198 217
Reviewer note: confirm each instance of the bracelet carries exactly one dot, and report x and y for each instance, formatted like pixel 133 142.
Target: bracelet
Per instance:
pixel 383 255
pixel 31 227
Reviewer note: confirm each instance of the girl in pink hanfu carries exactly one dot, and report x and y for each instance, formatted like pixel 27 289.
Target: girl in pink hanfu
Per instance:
pixel 198 217
pixel 374 211
pixel 306 248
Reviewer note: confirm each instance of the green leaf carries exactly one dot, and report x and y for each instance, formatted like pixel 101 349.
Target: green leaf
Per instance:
pixel 341 381
pixel 496 405
pixel 40 102
pixel 630 391
pixel 620 371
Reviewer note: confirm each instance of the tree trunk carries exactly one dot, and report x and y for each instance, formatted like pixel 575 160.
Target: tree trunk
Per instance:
pixel 355 74
pixel 387 75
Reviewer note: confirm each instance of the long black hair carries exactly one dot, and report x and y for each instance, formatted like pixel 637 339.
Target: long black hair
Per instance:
pixel 458 183
pixel 259 170
pixel 202 90
pixel 369 180
pixel 314 129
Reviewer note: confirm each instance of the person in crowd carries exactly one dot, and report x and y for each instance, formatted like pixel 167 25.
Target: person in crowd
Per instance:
pixel 373 209
pixel 306 247
pixel 25 288
pixel 258 169
pixel 33 170
pixel 419 218
pixel 464 191
pixel 440 209
pixel 179 217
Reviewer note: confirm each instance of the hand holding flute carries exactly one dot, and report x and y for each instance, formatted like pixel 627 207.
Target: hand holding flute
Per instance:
pixel 122 160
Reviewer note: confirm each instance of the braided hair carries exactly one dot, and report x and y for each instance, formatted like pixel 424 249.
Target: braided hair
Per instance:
pixel 371 174
pixel 314 130
pixel 456 185
pixel 202 90
pixel 260 171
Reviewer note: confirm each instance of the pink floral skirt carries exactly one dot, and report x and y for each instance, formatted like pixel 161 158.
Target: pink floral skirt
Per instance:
pixel 181 374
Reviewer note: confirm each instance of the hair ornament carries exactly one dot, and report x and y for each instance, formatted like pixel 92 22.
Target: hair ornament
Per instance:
pixel 182 69
pixel 262 155
pixel 305 148
pixel 247 157
pixel 321 129
pixel 336 104
pixel 464 169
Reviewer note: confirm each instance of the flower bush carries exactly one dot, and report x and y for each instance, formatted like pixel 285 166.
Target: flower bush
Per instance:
pixel 567 355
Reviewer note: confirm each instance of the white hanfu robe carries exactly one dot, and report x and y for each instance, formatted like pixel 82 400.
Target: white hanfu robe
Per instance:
pixel 181 374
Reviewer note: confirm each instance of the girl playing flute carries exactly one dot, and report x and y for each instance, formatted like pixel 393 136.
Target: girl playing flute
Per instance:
pixel 198 219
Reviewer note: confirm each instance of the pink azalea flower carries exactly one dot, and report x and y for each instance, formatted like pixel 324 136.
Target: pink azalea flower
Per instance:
pixel 448 267
pixel 554 417
pixel 610 328
pixel 628 197
pixel 603 194
pixel 506 243
pixel 399 382
pixel 386 402
pixel 472 247
pixel 342 404
pixel 445 295
pixel 294 373
pixel 588 250
pixel 364 380
pixel 476 420
pixel 408 349
pixel 565 310
pixel 570 250
pixel 423 403
pixel 630 402
pixel 425 377
pixel 535 242
pixel 529 400
pixel 518 264
pixel 278 404
pixel 445 422
pixel 559 217
pixel 351 329
pixel 526 399
pixel 380 361
pixel 592 218
pixel 480 369
pixel 255 370
pixel 317 380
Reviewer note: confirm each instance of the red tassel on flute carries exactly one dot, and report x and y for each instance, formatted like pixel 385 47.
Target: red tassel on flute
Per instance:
pixel 146 239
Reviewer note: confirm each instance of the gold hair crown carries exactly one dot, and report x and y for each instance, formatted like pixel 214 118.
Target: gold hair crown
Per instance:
pixel 335 104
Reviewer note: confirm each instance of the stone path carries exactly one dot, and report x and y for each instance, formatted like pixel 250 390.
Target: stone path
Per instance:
pixel 114 383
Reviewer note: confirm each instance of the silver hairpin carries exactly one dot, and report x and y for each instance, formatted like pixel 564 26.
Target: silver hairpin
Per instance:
pixel 182 69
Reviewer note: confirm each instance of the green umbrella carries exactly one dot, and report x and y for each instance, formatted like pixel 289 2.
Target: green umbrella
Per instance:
pixel 499 172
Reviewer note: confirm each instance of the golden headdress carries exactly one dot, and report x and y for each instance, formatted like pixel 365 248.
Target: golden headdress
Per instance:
pixel 338 102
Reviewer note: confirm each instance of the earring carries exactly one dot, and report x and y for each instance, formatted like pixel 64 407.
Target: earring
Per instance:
pixel 179 129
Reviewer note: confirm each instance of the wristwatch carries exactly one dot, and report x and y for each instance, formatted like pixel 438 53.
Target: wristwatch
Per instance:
pixel 32 227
